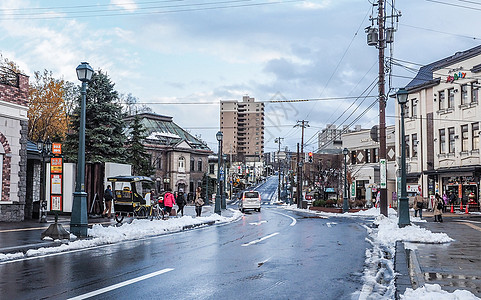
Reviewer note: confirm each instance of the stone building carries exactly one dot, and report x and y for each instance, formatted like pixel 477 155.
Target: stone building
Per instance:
pixel 13 144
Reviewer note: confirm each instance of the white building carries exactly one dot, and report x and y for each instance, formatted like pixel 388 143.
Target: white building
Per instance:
pixel 442 127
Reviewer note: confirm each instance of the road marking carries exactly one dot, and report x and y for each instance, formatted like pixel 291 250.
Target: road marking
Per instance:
pixel 261 239
pixel 472 226
pixel 258 223
pixel 330 224
pixel 294 221
pixel 119 285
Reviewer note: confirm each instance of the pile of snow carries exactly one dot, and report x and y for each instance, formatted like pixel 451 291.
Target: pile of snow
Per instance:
pixel 137 229
pixel 434 291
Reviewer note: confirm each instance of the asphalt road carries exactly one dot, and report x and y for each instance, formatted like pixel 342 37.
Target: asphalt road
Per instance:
pixel 272 254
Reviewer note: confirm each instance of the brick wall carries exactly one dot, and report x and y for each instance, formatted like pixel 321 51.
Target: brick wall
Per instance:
pixel 17 95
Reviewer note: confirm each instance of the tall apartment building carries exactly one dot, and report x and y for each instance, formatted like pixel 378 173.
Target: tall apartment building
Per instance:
pixel 242 124
pixel 329 139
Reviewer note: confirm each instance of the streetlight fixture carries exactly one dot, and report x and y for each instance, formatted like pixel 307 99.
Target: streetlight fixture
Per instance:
pixel 218 199
pixel 45 149
pixel 79 219
pixel 345 203
pixel 403 211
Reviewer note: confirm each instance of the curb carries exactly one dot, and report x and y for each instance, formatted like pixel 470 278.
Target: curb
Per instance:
pixel 401 268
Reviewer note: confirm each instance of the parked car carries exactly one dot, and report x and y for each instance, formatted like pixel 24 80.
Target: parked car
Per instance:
pixel 250 200
pixel 309 198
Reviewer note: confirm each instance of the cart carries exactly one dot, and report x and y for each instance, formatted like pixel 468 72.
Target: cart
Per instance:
pixel 130 196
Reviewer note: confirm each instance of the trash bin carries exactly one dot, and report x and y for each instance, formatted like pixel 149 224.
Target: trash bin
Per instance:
pixel 304 204
pixel 36 210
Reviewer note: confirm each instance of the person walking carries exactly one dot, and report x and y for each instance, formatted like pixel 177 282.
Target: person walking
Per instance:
pixel 180 202
pixel 198 201
pixel 108 197
pixel 438 209
pixel 169 202
pixel 418 205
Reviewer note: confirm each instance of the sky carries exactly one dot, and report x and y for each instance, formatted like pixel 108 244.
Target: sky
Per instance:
pixel 181 58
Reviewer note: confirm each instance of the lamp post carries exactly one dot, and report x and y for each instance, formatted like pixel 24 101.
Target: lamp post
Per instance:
pixel 345 203
pixel 79 219
pixel 403 211
pixel 218 200
pixel 45 148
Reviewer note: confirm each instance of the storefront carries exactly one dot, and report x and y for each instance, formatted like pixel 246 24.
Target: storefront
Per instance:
pixel 466 188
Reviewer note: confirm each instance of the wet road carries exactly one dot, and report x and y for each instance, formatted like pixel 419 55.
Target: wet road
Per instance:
pixel 274 254
pixel 453 265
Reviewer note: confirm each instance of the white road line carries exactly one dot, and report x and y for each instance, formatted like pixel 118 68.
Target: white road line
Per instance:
pixel 260 240
pixel 119 285
pixel 258 223
pixel 294 221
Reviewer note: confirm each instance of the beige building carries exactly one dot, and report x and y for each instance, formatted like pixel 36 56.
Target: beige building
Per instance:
pixel 242 124
pixel 442 127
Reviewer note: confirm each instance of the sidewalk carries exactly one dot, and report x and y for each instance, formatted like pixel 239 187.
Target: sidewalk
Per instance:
pixel 454 266
pixel 25 235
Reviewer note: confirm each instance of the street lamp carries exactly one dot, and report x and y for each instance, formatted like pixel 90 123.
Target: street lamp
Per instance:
pixel 218 199
pixel 345 204
pixel 45 148
pixel 403 211
pixel 79 219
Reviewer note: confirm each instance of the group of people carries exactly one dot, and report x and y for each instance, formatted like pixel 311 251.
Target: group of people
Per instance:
pixel 168 201
pixel 438 206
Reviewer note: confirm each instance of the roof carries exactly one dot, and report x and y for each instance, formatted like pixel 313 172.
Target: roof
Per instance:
pixel 425 73
pixel 162 130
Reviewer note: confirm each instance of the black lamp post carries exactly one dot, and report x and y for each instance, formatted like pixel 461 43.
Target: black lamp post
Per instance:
pixel 45 148
pixel 345 203
pixel 79 219
pixel 403 211
pixel 218 200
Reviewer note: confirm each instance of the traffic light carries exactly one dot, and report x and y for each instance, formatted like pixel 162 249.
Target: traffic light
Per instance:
pixel 310 157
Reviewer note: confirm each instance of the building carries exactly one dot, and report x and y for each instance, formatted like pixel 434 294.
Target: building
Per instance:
pixel 242 124
pixel 329 139
pixel 13 144
pixel 442 127
pixel 180 159
pixel 363 165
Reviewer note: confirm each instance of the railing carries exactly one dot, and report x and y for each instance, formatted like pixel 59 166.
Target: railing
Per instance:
pixel 8 76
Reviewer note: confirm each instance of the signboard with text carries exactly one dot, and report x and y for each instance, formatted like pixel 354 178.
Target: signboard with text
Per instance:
pixel 56 202
pixel 56 165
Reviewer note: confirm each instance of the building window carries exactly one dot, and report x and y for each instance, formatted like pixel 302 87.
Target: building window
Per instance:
pixel 414 108
pixel 441 97
pixel 367 153
pixel 451 98
pixel 464 94
pixel 475 132
pixel 199 165
pixel 375 155
pixel 474 92
pixel 192 164
pixel 407 145
pixel 191 187
pixel 181 164
pixel 464 137
pixel 211 168
pixel 353 158
pixel 415 145
pixel 451 140
pixel 442 140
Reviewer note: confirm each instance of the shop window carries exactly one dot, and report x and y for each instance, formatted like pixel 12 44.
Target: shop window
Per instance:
pixel 465 138
pixel 442 140
pixel 451 98
pixel 464 94
pixel 475 133
pixel 441 97
pixel 451 140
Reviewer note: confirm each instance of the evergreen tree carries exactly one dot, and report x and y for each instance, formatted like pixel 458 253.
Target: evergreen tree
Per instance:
pixel 104 125
pixel 137 157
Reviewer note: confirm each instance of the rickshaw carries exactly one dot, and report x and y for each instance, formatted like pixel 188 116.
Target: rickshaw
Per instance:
pixel 131 196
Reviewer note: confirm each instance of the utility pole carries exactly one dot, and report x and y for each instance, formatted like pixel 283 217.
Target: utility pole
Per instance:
pixel 303 125
pixel 298 186
pixel 279 140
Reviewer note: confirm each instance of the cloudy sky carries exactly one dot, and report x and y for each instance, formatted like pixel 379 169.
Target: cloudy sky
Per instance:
pixel 182 57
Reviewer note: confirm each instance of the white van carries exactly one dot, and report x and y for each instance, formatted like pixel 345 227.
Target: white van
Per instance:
pixel 250 200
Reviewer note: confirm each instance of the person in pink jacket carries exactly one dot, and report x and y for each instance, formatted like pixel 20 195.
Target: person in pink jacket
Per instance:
pixel 169 201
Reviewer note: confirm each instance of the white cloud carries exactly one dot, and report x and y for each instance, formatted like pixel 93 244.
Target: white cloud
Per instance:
pixel 128 5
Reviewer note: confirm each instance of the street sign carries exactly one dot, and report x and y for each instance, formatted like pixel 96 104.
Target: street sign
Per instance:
pixel 383 173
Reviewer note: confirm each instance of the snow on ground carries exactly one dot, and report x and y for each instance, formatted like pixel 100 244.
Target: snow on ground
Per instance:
pixel 137 229
pixel 379 275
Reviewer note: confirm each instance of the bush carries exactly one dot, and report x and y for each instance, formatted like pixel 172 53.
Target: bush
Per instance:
pixel 319 203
